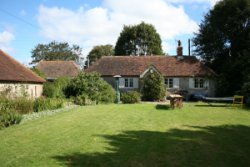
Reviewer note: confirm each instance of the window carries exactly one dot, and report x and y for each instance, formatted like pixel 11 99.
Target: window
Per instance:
pixel 169 82
pixel 129 82
pixel 198 83
pixel 126 82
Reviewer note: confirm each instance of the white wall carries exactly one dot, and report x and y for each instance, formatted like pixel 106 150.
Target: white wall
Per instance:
pixel 187 83
pixel 135 83
pixel 20 89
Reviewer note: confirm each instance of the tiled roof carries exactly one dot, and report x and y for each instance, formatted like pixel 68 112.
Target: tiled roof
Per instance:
pixel 58 68
pixel 168 66
pixel 12 71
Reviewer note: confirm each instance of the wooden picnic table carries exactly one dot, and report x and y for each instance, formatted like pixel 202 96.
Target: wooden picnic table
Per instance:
pixel 176 100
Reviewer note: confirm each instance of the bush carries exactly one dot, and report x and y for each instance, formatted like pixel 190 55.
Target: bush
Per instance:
pixel 246 92
pixel 56 89
pixel 49 89
pixel 90 86
pixel 42 104
pixel 153 87
pixel 130 97
pixel 83 100
pixel 9 117
pixel 21 105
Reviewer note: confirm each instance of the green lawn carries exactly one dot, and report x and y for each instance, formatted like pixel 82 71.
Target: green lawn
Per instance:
pixel 131 135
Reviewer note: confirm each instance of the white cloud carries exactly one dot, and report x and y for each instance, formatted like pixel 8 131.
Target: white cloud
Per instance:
pixel 5 40
pixel 102 25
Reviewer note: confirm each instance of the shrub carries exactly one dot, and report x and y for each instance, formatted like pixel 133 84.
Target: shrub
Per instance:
pixel 83 100
pixel 153 86
pixel 131 97
pixel 9 117
pixel 56 89
pixel 91 86
pixel 21 105
pixel 49 89
pixel 42 104
pixel 246 92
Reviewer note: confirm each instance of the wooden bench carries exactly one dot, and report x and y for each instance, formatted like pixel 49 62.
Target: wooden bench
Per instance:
pixel 238 100
pixel 235 100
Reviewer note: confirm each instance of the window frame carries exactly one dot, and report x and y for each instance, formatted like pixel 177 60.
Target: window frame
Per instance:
pixel 169 82
pixel 199 83
pixel 128 82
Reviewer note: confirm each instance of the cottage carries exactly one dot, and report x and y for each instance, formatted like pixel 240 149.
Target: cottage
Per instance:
pixel 58 68
pixel 17 80
pixel 185 73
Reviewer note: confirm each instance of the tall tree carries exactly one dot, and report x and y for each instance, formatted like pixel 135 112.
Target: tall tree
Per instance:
pixel 56 51
pixel 153 87
pixel 98 51
pixel 141 39
pixel 223 42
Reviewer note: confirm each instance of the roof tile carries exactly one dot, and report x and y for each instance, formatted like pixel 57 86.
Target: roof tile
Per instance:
pixel 58 68
pixel 169 66
pixel 12 70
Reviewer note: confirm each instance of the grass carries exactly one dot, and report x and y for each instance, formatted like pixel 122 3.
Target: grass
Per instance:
pixel 131 135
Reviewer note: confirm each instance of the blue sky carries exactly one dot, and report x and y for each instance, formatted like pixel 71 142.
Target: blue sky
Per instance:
pixel 26 23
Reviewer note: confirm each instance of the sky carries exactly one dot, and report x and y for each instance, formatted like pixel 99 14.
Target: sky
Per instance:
pixel 87 23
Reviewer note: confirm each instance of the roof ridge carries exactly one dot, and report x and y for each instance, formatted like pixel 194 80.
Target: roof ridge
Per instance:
pixel 135 65
pixel 61 61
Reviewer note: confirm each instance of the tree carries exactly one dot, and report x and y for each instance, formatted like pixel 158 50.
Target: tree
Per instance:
pixel 139 39
pixel 57 88
pixel 90 86
pixel 153 87
pixel 223 42
pixel 56 51
pixel 38 72
pixel 98 51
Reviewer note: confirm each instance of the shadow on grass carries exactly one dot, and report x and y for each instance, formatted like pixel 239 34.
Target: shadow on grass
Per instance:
pixel 226 105
pixel 246 107
pixel 199 146
pixel 162 107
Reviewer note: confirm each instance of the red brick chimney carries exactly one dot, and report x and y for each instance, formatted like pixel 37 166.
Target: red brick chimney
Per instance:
pixel 179 49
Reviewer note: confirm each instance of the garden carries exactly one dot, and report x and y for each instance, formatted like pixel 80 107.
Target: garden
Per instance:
pixel 85 89
pixel 97 132
pixel 131 135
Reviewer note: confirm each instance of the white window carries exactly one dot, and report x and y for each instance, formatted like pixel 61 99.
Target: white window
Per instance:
pixel 169 82
pixel 199 83
pixel 129 82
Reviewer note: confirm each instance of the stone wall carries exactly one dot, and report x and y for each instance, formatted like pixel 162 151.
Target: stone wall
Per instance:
pixel 22 89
